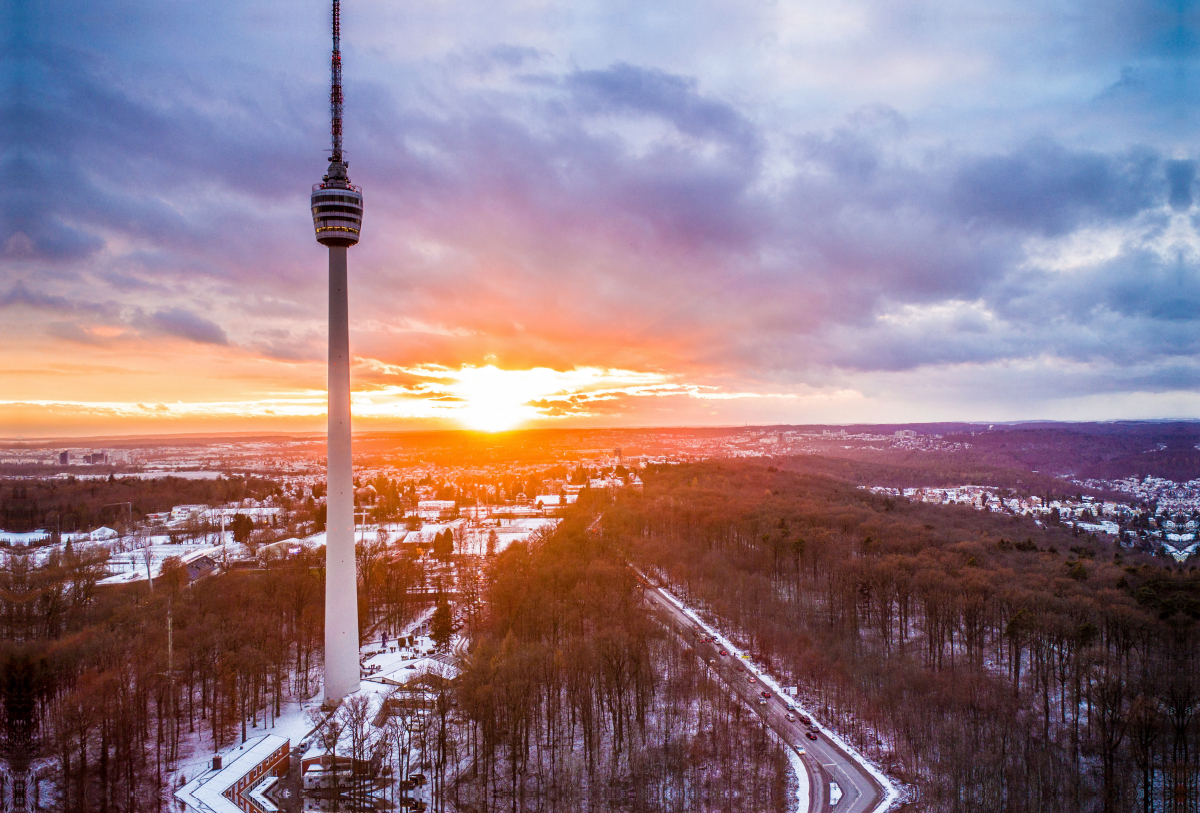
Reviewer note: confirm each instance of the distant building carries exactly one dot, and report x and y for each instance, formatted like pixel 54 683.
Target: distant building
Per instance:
pixel 905 433
pixel 435 509
pixel 199 565
pixel 281 549
pixel 181 513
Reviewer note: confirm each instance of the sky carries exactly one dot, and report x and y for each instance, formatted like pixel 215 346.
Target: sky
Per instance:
pixel 601 213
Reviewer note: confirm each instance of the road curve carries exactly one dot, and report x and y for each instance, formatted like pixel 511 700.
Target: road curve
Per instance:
pixel 824 760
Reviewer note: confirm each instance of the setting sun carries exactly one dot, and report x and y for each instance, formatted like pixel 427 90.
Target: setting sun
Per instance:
pixel 495 400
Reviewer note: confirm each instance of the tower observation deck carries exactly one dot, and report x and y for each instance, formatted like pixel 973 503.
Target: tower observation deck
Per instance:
pixel 337 205
pixel 337 217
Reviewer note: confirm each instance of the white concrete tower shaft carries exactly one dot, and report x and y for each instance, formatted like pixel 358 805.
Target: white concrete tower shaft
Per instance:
pixel 341 584
pixel 337 207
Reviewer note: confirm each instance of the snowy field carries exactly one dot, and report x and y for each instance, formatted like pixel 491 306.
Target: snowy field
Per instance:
pixel 475 538
pixel 132 559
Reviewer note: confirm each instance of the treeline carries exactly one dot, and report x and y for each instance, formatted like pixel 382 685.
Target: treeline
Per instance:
pixel 574 700
pixel 101 685
pixel 994 664
pixel 82 505
pixel 925 469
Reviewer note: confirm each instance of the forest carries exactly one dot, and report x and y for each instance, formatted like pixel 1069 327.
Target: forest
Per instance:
pixel 570 698
pixel 1035 452
pixel 575 700
pixel 990 663
pixel 986 662
pixel 96 699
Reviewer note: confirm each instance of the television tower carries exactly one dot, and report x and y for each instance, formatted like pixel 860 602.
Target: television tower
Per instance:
pixel 337 216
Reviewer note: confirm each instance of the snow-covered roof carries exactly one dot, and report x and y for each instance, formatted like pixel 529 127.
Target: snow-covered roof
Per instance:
pixel 206 792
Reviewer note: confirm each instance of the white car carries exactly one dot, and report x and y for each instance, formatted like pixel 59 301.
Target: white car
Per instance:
pixel 791 717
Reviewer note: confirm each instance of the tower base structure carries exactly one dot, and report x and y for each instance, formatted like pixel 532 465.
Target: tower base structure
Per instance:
pixel 341 584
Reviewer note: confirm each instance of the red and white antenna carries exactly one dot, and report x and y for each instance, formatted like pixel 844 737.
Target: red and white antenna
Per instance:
pixel 335 91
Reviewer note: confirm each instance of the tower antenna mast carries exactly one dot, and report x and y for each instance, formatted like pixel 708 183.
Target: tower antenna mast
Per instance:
pixel 335 90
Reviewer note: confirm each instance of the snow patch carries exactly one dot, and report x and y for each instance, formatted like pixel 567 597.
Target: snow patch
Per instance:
pixel 802 789
pixel 835 793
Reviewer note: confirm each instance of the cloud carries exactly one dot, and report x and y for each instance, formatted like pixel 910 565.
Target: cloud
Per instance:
pixel 762 201
pixel 1047 188
pixel 186 325
pixel 1180 176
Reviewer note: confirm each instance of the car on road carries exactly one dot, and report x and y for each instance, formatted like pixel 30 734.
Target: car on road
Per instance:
pixel 766 694
pixel 812 735
pixel 804 718
pixel 723 653
pixel 762 702
pixel 791 717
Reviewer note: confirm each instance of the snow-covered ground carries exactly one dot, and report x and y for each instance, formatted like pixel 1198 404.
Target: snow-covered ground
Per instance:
pixel 127 566
pixel 295 721
pixel 386 665
pixel 475 539
pixel 22 540
pixel 802 784
pixel 197 749
pixel 475 536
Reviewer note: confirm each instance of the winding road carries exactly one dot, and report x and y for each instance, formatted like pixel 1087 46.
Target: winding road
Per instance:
pixel 824 760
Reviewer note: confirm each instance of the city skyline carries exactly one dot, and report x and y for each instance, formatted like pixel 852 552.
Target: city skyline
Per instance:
pixel 607 216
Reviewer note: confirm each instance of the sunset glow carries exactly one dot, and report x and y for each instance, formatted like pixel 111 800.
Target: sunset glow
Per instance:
pixel 787 214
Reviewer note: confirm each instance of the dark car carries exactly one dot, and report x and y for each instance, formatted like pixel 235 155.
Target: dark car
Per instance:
pixel 812 735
